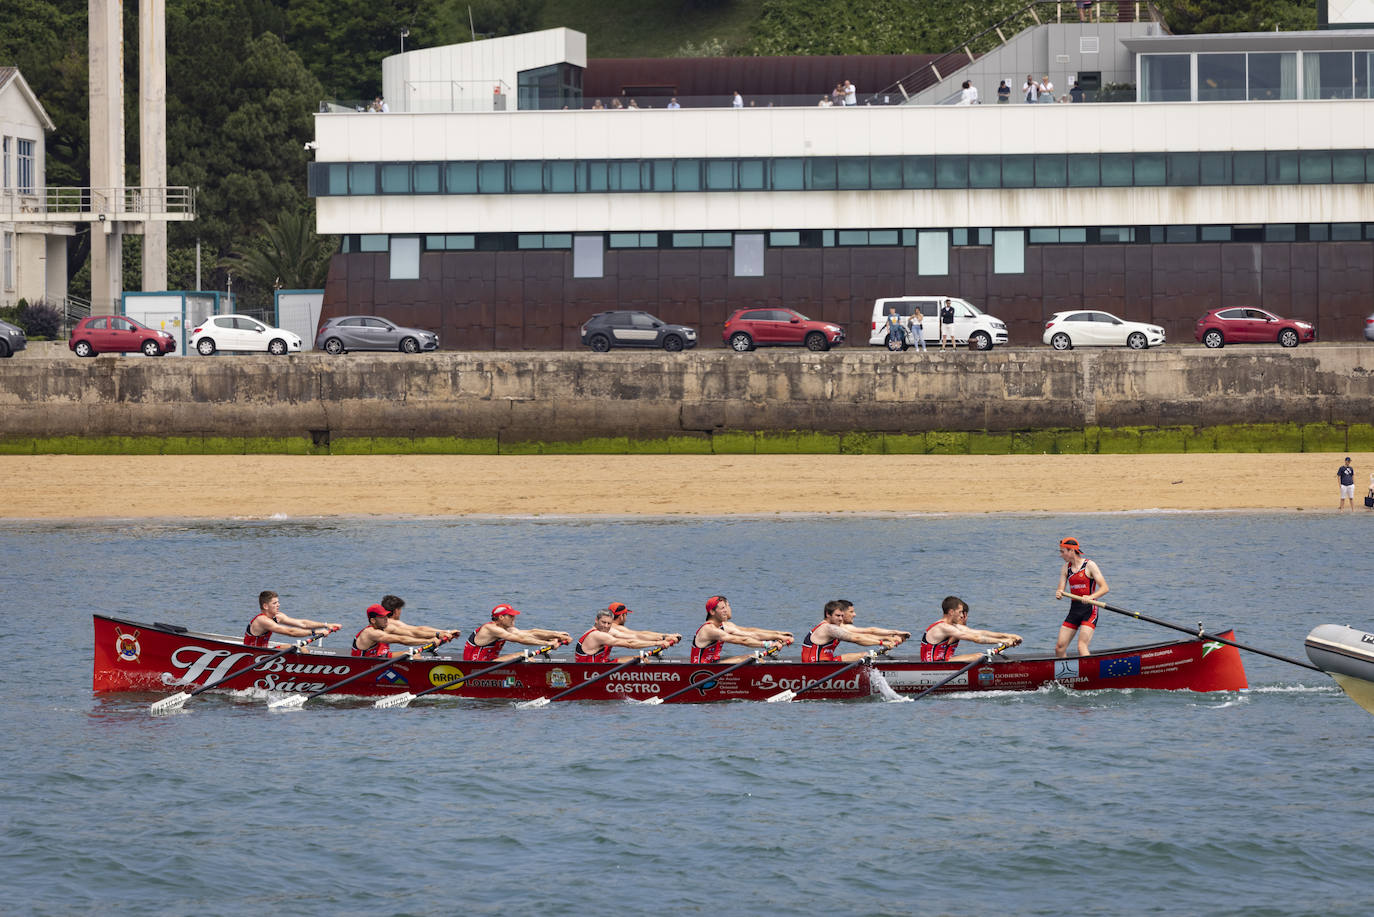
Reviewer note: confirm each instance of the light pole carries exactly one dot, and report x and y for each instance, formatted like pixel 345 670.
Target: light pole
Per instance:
pixel 404 33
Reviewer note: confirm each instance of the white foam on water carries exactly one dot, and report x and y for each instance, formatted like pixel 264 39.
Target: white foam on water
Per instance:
pixel 1333 690
pixel 876 680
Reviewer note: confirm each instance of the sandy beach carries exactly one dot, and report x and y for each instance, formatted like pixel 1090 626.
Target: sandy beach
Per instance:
pixel 265 486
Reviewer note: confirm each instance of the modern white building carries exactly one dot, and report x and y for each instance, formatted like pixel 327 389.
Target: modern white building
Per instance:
pixel 33 246
pixel 507 229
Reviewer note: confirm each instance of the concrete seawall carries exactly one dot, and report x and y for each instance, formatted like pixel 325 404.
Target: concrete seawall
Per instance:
pixel 537 397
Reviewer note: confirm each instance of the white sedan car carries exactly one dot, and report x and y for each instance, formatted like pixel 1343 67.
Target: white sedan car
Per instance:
pixel 242 333
pixel 1066 330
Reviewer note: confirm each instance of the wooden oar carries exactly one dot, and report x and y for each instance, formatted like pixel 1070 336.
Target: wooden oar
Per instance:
pixel 783 697
pixel 297 701
pixel 753 657
pixel 985 657
pixel 545 701
pixel 403 700
pixel 177 701
pixel 1196 632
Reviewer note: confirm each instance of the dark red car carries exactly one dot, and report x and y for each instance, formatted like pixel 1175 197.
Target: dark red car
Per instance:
pixel 1248 325
pixel 750 328
pixel 118 334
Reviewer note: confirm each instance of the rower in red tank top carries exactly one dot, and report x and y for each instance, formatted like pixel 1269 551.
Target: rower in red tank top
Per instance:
pixel 819 652
pixel 485 643
pixel 269 620
pixel 710 639
pixel 941 639
pixel 823 641
pixel 384 627
pixel 1079 577
pixel 596 644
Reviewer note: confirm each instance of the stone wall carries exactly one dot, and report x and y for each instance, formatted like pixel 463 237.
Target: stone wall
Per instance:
pixel 570 397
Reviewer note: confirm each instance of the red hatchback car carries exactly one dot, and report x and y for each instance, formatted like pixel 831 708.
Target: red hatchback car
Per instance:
pixel 118 334
pixel 750 328
pixel 1248 325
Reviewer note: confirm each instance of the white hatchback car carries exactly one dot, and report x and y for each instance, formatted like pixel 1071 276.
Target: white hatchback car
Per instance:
pixel 972 325
pixel 1091 328
pixel 242 333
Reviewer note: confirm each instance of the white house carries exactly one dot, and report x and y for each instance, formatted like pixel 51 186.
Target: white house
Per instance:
pixel 33 246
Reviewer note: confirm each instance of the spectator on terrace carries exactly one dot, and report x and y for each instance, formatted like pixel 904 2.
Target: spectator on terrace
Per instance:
pixel 673 103
pixel 737 101
pixel 597 106
pixel 1003 93
pixel 851 93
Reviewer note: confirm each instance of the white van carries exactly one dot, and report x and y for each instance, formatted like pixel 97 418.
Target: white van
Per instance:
pixel 972 325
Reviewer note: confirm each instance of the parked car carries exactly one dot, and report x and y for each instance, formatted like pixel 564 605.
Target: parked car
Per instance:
pixel 746 329
pixel 118 334
pixel 1066 330
pixel 605 330
pixel 242 333
pixel 11 339
pixel 1369 328
pixel 1248 325
pixel 368 332
pixel 972 326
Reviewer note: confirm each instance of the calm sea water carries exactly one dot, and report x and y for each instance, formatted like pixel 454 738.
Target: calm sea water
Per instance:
pixel 1048 803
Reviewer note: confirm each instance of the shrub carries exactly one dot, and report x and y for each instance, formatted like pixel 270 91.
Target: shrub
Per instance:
pixel 39 320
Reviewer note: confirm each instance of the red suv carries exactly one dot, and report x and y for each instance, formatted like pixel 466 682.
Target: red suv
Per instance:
pixel 1248 325
pixel 750 328
pixel 118 334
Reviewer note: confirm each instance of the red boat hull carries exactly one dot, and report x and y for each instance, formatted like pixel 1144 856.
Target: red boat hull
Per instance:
pixel 130 656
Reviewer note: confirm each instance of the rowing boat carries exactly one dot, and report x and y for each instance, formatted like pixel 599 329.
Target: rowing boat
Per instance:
pixel 133 656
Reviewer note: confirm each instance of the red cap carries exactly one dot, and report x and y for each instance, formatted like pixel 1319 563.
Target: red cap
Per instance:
pixel 503 609
pixel 1071 544
pixel 713 601
pixel 618 609
pixel 378 611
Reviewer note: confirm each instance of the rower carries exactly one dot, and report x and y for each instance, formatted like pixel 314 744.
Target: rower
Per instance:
pixel 620 626
pixel 823 642
pixel 596 644
pixel 942 638
pixel 484 644
pixel 270 620
pixel 850 611
pixel 1078 577
pixel 718 630
pixel 384 627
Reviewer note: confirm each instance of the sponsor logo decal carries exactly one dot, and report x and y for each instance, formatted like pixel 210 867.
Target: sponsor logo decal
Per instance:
pixel 1209 646
pixel 448 676
pixel 1065 670
pixel 922 679
pixel 126 646
pixel 985 677
pixel 215 664
pixel 1367 638
pixel 769 683
pixel 392 678
pixel 1120 668
pixel 557 678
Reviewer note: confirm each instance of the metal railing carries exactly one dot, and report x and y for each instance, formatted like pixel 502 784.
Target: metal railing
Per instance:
pixel 1001 33
pixel 86 202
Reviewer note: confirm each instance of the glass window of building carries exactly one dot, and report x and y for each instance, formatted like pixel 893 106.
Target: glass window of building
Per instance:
pixel 1116 170
pixel 425 177
pixel 336 181
pixel 528 176
pixel 720 174
pixel 788 174
pixel 24 171
pixel 395 178
pixel 588 255
pixel 560 176
pixel 1281 167
pixel 885 172
pixel 932 253
pixel 1049 170
pixel 362 178
pixel 1084 170
pixel 748 254
pixel 1220 77
pixel 1364 74
pixel 663 175
pixel 1008 251
pixel 820 173
pixel 951 172
pixel 918 171
pixel 5 163
pixel 753 175
pixel 853 173
pixel 1347 166
pixel 687 174
pixel 852 237
pixel 551 87
pixel 1345 232
pixel 1023 171
pixel 784 239
pixel 7 257
pixel 1214 168
pixel 1181 169
pixel 461 178
pixel 405 258
pixel 717 239
pixel 1314 167
pixel 1166 78
pixel 491 177
pixel 985 171
pixel 1247 168
pixel 1216 233
pixel 372 243
pixel 1180 234
pixel 1149 169
pixel 1273 76
pixel 882 237
pixel 1328 75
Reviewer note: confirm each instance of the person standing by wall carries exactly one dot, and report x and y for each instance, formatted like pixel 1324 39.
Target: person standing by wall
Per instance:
pixel 1031 89
pixel 947 324
pixel 916 333
pixel 1003 93
pixel 1346 476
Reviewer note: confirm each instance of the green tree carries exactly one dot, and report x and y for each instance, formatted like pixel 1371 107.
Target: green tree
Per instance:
pixel 286 254
pixel 1186 17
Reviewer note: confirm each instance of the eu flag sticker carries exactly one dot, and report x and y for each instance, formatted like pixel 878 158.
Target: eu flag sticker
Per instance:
pixel 1120 668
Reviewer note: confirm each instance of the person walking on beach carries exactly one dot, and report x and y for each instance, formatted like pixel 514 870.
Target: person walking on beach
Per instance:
pixel 710 639
pixel 269 620
pixel 942 638
pixel 1346 475
pixel 1078 577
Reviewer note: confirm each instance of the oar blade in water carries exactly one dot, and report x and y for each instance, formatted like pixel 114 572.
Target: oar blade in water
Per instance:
pixel 532 704
pixel 395 700
pixel 782 697
pixel 170 704
pixel 294 702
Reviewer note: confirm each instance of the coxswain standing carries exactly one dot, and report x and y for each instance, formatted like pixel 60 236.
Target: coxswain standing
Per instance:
pixel 384 627
pixel 596 644
pixel 710 639
pixel 1079 577
pixel 484 644
pixel 942 638
pixel 823 642
pixel 269 620
pixel 620 626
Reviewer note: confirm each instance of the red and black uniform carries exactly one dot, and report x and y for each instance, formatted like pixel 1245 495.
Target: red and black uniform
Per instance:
pixel 1080 582
pixel 601 655
pixel 252 639
pixel 709 653
pixel 472 652
pixel 937 652
pixel 819 652
pixel 377 649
